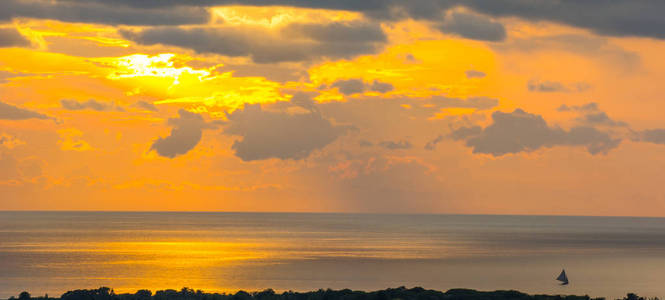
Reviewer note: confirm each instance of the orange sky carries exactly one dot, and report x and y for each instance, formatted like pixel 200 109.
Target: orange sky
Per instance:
pixel 458 109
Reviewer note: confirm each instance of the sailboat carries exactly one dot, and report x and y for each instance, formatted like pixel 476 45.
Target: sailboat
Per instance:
pixel 563 278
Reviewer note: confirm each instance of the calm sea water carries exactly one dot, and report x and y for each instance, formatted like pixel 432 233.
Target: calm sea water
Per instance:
pixel 52 252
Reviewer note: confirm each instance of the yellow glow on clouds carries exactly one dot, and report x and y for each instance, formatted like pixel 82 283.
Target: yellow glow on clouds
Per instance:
pixel 166 77
pixel 275 16
pixel 71 140
pixel 417 60
pixel 143 65
pixel 417 69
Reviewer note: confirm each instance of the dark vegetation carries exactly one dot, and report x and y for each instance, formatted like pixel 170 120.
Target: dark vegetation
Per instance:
pixel 400 293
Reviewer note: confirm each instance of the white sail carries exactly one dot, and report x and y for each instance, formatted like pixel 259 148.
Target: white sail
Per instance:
pixel 562 277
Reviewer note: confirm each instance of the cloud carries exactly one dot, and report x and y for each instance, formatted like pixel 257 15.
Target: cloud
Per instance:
pixel 396 145
pixel 545 86
pixel 349 86
pixel 356 86
pixel 71 139
pixel 10 37
pixel 615 18
pixel 591 114
pixel 146 105
pixel 381 87
pixel 465 132
pixel 338 32
pixel 304 100
pixel 185 134
pixel 89 104
pixel 656 136
pixel 294 42
pixel 9 166
pixel 9 141
pixel 588 107
pixel 554 86
pixel 480 103
pixel 385 110
pixel 410 58
pixel 365 143
pixel 431 145
pixel 104 12
pixel 10 112
pixel 6 75
pixel 265 134
pixel 585 45
pixel 520 131
pixel 618 18
pixel 474 74
pixel 390 145
pixel 600 118
pixel 472 26
pixel 277 72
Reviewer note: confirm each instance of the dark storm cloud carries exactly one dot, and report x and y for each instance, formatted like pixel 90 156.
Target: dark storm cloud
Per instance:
pixel 396 145
pixel 474 74
pixel 475 27
pixel 266 134
pixel 10 112
pixel 608 17
pixel 338 32
pixel 104 12
pixel 369 6
pixel 10 37
pixel 89 104
pixel 185 135
pixel 295 42
pixel 520 131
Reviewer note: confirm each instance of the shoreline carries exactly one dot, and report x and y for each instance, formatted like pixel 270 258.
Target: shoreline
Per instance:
pixel 400 293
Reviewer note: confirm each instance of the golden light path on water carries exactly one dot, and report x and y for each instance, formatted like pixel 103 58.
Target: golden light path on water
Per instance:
pixel 210 265
pixel 153 265
pixel 226 252
pixel 168 264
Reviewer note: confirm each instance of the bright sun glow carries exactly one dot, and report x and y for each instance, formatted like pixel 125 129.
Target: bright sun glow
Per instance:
pixel 142 65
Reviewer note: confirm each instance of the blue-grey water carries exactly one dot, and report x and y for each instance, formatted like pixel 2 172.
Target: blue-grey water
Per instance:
pixel 52 252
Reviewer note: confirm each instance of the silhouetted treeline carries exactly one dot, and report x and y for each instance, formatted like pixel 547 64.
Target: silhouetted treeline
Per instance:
pixel 400 293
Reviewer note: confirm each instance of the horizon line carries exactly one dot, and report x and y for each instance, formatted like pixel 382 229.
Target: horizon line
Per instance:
pixel 330 213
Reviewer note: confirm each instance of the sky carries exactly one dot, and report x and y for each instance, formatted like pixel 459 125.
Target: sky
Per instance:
pixel 378 106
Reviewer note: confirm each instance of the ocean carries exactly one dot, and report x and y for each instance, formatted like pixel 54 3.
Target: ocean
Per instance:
pixel 53 252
